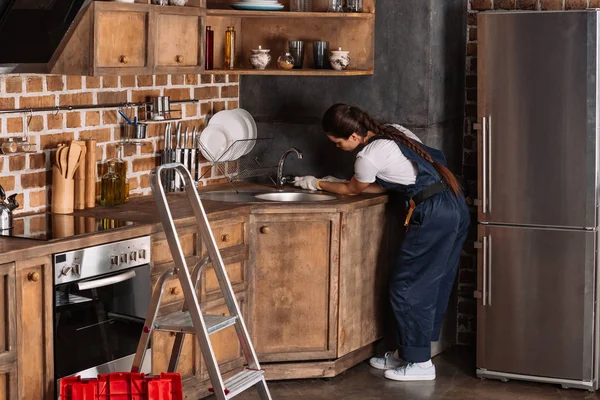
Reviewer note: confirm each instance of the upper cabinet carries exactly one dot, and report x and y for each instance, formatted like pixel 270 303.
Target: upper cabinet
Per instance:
pixel 111 38
pixel 132 39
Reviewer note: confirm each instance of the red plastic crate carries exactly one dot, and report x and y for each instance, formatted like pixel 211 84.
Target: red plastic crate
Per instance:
pixel 123 386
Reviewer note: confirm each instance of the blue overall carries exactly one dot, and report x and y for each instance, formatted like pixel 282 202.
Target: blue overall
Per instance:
pixel 423 277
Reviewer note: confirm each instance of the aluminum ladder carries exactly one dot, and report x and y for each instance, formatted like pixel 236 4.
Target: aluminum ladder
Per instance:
pixel 191 320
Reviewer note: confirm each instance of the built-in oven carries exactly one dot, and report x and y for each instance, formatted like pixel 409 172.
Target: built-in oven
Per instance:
pixel 101 297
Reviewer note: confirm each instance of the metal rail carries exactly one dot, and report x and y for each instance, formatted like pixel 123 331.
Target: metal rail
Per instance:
pixel 57 109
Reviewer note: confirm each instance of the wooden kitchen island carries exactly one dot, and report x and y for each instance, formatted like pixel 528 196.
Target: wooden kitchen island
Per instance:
pixel 309 277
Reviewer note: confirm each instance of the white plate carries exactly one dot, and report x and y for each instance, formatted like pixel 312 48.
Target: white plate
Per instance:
pixel 214 142
pixel 236 129
pixel 252 129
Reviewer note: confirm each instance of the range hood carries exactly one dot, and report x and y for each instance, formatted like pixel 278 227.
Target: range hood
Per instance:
pixel 31 31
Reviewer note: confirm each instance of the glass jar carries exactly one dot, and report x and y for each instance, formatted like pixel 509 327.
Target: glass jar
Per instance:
pixel 354 5
pixel 336 6
pixel 230 48
pixel 112 187
pixel 285 61
pixel 301 5
pixel 208 51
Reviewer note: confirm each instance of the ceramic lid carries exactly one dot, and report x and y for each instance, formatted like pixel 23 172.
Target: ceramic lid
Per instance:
pixel 260 50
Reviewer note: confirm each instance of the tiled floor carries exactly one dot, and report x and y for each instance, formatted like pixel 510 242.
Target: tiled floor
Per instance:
pixel 455 381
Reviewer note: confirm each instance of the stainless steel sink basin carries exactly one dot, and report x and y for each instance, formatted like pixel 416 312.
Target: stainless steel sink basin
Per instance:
pixel 295 196
pixel 264 196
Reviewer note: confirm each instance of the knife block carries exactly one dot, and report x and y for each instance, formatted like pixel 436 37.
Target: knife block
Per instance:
pixel 63 193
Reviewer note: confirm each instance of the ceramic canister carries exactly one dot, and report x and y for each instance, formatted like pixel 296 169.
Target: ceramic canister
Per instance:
pixel 339 59
pixel 260 58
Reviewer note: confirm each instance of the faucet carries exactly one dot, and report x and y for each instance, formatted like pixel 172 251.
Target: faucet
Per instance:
pixel 281 180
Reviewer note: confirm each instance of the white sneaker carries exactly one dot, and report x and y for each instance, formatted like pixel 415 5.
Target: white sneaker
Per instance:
pixel 412 372
pixel 388 361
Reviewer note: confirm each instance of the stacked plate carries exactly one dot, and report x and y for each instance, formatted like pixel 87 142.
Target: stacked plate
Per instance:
pixel 229 135
pixel 258 5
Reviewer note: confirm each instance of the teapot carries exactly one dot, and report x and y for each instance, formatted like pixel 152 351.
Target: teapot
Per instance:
pixel 7 205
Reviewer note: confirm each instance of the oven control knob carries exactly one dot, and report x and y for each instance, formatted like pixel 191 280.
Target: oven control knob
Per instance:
pixel 124 258
pixel 133 256
pixel 66 271
pixel 77 269
pixel 142 253
pixel 114 260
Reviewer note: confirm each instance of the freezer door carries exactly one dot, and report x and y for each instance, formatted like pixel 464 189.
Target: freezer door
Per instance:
pixel 537 118
pixel 535 312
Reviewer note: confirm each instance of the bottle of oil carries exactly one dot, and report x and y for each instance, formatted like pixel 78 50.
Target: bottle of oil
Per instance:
pixel 121 170
pixel 230 48
pixel 112 187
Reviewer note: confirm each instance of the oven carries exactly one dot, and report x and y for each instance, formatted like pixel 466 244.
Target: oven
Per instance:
pixel 101 297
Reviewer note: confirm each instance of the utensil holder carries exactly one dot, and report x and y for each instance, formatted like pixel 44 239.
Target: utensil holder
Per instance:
pixel 63 193
pixel 135 131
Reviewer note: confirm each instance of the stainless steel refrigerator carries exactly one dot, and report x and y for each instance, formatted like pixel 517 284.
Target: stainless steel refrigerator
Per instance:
pixel 538 128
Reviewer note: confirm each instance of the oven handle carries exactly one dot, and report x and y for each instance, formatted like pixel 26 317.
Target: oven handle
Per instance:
pixel 111 280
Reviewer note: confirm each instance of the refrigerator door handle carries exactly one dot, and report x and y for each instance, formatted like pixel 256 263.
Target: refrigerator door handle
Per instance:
pixel 489 165
pixel 484 167
pixel 489 273
pixel 483 294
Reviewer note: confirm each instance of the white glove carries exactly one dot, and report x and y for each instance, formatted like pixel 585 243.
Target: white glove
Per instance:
pixel 330 178
pixel 307 182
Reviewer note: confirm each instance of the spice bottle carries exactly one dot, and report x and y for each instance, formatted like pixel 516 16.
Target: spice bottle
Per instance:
pixel 208 51
pixel 230 48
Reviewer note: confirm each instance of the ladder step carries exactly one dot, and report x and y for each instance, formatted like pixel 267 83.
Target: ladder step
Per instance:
pixel 241 381
pixel 180 321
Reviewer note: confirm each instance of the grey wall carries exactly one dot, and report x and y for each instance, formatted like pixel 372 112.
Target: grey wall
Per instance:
pixel 418 82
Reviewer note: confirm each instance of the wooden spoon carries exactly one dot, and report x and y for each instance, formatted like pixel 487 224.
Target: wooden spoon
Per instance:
pixel 73 159
pixel 63 161
pixel 57 157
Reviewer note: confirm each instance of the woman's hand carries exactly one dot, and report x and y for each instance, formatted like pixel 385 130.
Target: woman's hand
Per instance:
pixel 307 182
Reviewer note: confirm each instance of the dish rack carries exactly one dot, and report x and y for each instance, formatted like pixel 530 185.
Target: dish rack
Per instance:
pixel 233 164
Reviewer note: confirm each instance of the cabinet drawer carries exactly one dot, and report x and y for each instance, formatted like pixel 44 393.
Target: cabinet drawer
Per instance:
pixel 178 40
pixel 121 38
pixel 235 271
pixel 161 252
pixel 229 235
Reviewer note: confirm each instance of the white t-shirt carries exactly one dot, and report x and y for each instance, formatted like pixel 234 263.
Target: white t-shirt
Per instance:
pixel 383 159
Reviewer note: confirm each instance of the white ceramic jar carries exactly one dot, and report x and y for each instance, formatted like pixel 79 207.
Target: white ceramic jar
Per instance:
pixel 339 59
pixel 260 58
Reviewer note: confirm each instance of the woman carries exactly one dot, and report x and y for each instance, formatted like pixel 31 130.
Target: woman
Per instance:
pixel 437 221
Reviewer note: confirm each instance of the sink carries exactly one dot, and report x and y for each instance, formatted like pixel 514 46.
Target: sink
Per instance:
pixel 295 196
pixel 255 196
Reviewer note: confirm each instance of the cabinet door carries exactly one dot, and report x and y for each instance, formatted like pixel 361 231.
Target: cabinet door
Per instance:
pixel 8 329
pixel 121 40
pixel 35 331
pixel 293 276
pixel 178 38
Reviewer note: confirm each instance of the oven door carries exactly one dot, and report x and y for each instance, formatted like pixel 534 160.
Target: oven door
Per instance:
pixel 98 321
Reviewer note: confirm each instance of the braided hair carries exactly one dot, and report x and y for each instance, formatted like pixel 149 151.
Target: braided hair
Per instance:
pixel 342 120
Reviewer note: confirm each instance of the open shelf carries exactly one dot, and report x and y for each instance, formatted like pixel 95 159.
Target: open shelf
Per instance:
pixel 276 71
pixel 286 14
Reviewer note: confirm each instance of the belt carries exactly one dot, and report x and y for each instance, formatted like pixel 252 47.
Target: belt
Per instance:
pixel 423 195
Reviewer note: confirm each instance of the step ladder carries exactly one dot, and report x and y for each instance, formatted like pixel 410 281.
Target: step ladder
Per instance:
pixel 191 320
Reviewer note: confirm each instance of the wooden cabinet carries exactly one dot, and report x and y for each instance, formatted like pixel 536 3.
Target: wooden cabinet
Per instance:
pixel 35 337
pixel 293 280
pixel 140 38
pixel 8 331
pixel 178 40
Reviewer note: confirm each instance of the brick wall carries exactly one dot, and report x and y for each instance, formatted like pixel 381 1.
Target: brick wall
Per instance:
pixel 467 274
pixel 28 174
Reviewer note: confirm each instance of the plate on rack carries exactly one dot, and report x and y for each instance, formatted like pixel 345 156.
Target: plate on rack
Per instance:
pixel 252 131
pixel 257 7
pixel 236 128
pixel 214 142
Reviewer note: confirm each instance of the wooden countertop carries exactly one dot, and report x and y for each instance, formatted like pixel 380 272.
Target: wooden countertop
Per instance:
pixel 142 211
